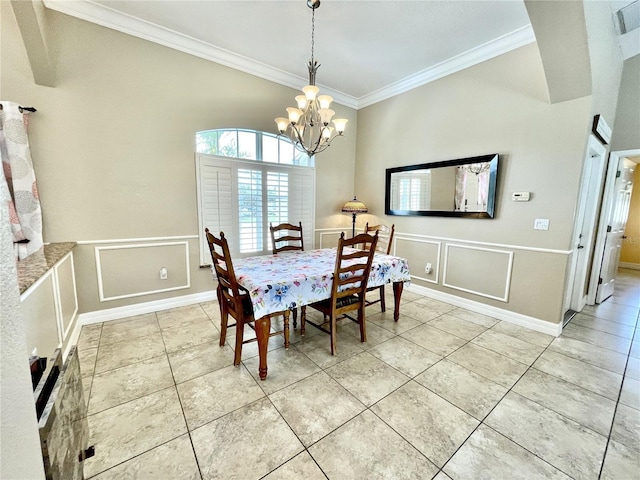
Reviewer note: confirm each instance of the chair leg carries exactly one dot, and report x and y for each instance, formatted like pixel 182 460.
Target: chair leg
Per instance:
pixel 334 331
pixel 224 318
pixel 363 326
pixel 383 307
pixel 237 357
pixel 295 318
pixel 303 318
pixel 286 328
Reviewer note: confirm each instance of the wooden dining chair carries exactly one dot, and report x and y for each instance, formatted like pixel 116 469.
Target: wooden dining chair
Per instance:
pixel 234 300
pixel 385 240
pixel 287 237
pixel 349 285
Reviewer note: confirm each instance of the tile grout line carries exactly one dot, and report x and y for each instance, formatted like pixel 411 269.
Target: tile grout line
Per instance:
pixel 615 410
pixel 409 379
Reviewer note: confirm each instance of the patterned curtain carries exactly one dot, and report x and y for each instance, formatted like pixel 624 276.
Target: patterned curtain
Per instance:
pixel 483 188
pixel 461 180
pixel 19 178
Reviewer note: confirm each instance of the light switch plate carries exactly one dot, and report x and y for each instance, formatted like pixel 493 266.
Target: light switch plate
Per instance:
pixel 541 224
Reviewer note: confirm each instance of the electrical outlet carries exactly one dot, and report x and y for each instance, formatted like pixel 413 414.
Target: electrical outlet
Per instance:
pixel 428 269
pixel 163 273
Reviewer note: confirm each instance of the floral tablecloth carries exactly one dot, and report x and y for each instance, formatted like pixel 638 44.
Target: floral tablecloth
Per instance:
pixel 292 279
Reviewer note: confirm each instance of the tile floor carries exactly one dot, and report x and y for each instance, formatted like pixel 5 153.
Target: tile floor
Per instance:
pixel 445 393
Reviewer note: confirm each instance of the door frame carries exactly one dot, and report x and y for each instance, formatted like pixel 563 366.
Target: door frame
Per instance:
pixel 607 204
pixel 587 211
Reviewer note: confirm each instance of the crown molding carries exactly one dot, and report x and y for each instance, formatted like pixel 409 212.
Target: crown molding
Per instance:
pixel 506 43
pixel 113 19
pixel 107 17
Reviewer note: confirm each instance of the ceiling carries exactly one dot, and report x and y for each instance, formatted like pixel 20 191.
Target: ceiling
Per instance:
pixel 368 50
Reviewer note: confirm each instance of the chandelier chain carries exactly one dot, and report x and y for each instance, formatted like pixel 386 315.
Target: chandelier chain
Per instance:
pixel 313 32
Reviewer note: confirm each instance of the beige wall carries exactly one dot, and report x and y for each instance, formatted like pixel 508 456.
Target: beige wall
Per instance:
pixel 500 107
pixel 113 142
pixel 630 252
pixel 113 148
pixel 626 131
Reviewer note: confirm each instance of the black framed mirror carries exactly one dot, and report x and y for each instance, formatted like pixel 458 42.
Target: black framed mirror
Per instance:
pixel 465 187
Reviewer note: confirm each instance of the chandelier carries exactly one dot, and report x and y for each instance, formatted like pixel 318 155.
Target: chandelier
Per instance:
pixel 308 125
pixel 478 168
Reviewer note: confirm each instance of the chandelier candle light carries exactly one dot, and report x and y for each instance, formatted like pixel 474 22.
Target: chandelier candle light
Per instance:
pixel 308 124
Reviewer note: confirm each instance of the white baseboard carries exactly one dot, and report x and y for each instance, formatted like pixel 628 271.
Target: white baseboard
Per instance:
pixel 146 307
pixel 632 266
pixel 166 304
pixel 74 336
pixel 131 310
pixel 532 323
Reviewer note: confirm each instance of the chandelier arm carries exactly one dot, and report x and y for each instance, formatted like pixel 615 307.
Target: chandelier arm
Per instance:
pixel 297 138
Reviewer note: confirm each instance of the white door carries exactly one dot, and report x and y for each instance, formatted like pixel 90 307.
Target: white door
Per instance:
pixel 584 227
pixel 615 229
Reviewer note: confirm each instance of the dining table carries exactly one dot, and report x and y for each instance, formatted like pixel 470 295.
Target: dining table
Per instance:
pixel 288 280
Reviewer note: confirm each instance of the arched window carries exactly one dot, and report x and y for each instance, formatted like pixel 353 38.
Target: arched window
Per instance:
pixel 251 145
pixel 247 179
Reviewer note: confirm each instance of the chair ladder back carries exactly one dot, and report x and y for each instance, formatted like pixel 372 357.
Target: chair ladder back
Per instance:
pixel 223 266
pixel 385 236
pixel 293 234
pixel 352 275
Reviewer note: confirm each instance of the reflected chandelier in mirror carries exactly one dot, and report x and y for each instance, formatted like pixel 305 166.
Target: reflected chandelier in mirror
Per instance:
pixel 464 187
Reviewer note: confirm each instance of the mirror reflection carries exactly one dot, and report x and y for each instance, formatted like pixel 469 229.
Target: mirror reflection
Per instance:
pixel 463 187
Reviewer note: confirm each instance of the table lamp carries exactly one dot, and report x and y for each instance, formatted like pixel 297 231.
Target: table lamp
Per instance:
pixel 354 207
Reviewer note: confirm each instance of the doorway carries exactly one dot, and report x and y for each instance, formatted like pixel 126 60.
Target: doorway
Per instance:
pixel 611 230
pixel 582 248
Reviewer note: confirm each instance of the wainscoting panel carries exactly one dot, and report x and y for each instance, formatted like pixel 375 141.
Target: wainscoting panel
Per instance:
pixel 478 270
pixel 419 252
pixel 328 237
pixel 67 295
pixel 133 270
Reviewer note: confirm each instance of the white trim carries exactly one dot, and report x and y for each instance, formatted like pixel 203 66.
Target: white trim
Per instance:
pixel 140 308
pixel 129 240
pixel 57 303
pixel 64 331
pixel 122 22
pixel 489 244
pixel 324 231
pixel 138 294
pixel 72 341
pixel 629 265
pixel 329 231
pixel 505 297
pixel 107 17
pixel 516 39
pixel 526 321
pixel 592 180
pixel 437 262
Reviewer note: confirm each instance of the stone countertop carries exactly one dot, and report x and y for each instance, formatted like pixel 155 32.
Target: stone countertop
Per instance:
pixel 38 263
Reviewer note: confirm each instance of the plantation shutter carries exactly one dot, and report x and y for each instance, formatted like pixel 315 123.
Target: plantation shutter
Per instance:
pixel 241 197
pixel 302 203
pixel 215 206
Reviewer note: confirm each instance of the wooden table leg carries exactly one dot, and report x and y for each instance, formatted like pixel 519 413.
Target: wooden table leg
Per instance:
pixel 397 293
pixel 263 326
